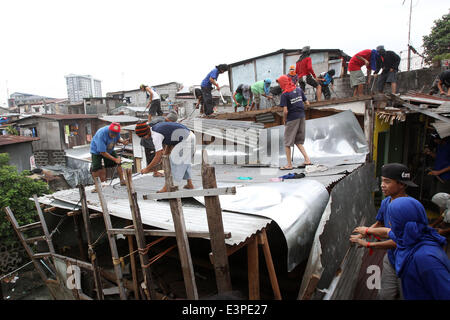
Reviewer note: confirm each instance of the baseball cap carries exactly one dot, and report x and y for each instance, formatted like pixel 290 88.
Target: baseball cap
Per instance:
pixel 142 129
pixel 114 127
pixel 398 172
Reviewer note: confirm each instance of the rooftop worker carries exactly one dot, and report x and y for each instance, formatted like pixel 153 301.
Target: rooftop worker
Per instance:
pixel 154 101
pixel 258 89
pixel 102 148
pixel 292 100
pixel 143 131
pixel 441 83
pixel 325 79
pixel 293 75
pixel 303 68
pixel 242 97
pixel 199 96
pixel 442 224
pixel 441 168
pixel 420 261
pixel 211 79
pixel 176 140
pixel 368 58
pixel 395 178
pixel 390 62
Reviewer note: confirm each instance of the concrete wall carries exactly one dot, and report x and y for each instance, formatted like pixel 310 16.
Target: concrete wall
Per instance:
pixel 19 154
pixel 417 80
pixel 49 157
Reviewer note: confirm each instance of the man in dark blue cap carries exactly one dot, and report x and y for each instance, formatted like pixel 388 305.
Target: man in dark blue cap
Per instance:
pixel 395 178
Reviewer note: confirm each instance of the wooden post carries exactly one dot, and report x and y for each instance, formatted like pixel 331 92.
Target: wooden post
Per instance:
pixel 139 231
pixel 77 228
pixel 91 251
pixel 180 230
pixel 133 267
pixel 253 269
pixel 111 239
pixel 369 126
pixel 262 237
pixel 216 231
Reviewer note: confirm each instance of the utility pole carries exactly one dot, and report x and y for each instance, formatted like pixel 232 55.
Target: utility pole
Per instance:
pixel 409 35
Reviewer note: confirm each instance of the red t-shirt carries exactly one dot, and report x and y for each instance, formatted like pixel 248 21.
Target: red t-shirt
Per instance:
pixel 355 64
pixel 304 67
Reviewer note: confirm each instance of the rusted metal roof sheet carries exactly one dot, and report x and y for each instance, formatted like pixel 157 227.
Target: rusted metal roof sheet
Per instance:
pixel 11 139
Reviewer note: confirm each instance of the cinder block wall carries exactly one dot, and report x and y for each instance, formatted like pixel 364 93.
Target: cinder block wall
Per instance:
pixel 49 157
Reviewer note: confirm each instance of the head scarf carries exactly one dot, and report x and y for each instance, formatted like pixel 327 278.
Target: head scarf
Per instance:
pixel 286 84
pixel 410 230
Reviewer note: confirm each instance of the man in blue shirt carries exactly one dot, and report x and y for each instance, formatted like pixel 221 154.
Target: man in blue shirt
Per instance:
pixel 292 100
pixel 441 167
pixel 176 140
pixel 325 79
pixel 102 149
pixel 395 178
pixel 211 79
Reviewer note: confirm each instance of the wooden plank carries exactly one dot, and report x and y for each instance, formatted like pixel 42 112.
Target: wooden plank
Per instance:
pixel 311 287
pixel 44 225
pixel 167 233
pixel 253 270
pixel 216 231
pixel 181 234
pixel 34 239
pixel 111 239
pixel 91 249
pixel 269 263
pixel 140 236
pixel 190 193
pixel 80 263
pixel 30 226
pixel 77 229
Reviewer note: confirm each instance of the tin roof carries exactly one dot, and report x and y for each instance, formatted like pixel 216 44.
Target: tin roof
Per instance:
pixel 11 139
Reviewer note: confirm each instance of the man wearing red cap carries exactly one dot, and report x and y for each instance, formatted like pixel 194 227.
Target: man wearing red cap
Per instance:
pixel 102 148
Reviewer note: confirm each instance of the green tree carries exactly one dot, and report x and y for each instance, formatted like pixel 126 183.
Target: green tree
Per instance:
pixel 15 191
pixel 438 41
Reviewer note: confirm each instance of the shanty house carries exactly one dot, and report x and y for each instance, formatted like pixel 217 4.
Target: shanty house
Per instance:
pixel 58 132
pixel 20 150
pixel 273 65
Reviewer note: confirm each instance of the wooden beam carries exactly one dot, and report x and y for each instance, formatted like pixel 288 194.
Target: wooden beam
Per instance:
pixel 111 239
pixel 140 236
pixel 133 267
pixel 44 225
pixel 166 233
pixel 216 230
pixel 190 193
pixel 253 270
pixel 262 237
pixel 91 249
pixel 181 235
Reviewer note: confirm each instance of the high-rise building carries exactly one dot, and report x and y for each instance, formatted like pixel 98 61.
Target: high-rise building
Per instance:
pixel 82 86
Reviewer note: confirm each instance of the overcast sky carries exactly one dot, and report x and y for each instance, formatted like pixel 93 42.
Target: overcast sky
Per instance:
pixel 126 43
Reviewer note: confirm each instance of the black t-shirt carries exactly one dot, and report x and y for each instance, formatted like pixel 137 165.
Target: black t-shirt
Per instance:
pixel 445 77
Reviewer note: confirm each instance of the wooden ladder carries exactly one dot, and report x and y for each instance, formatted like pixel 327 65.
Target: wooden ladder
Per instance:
pixel 35 257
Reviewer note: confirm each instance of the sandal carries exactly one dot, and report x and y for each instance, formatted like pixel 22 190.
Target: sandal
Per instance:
pixel 286 168
pixel 303 165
